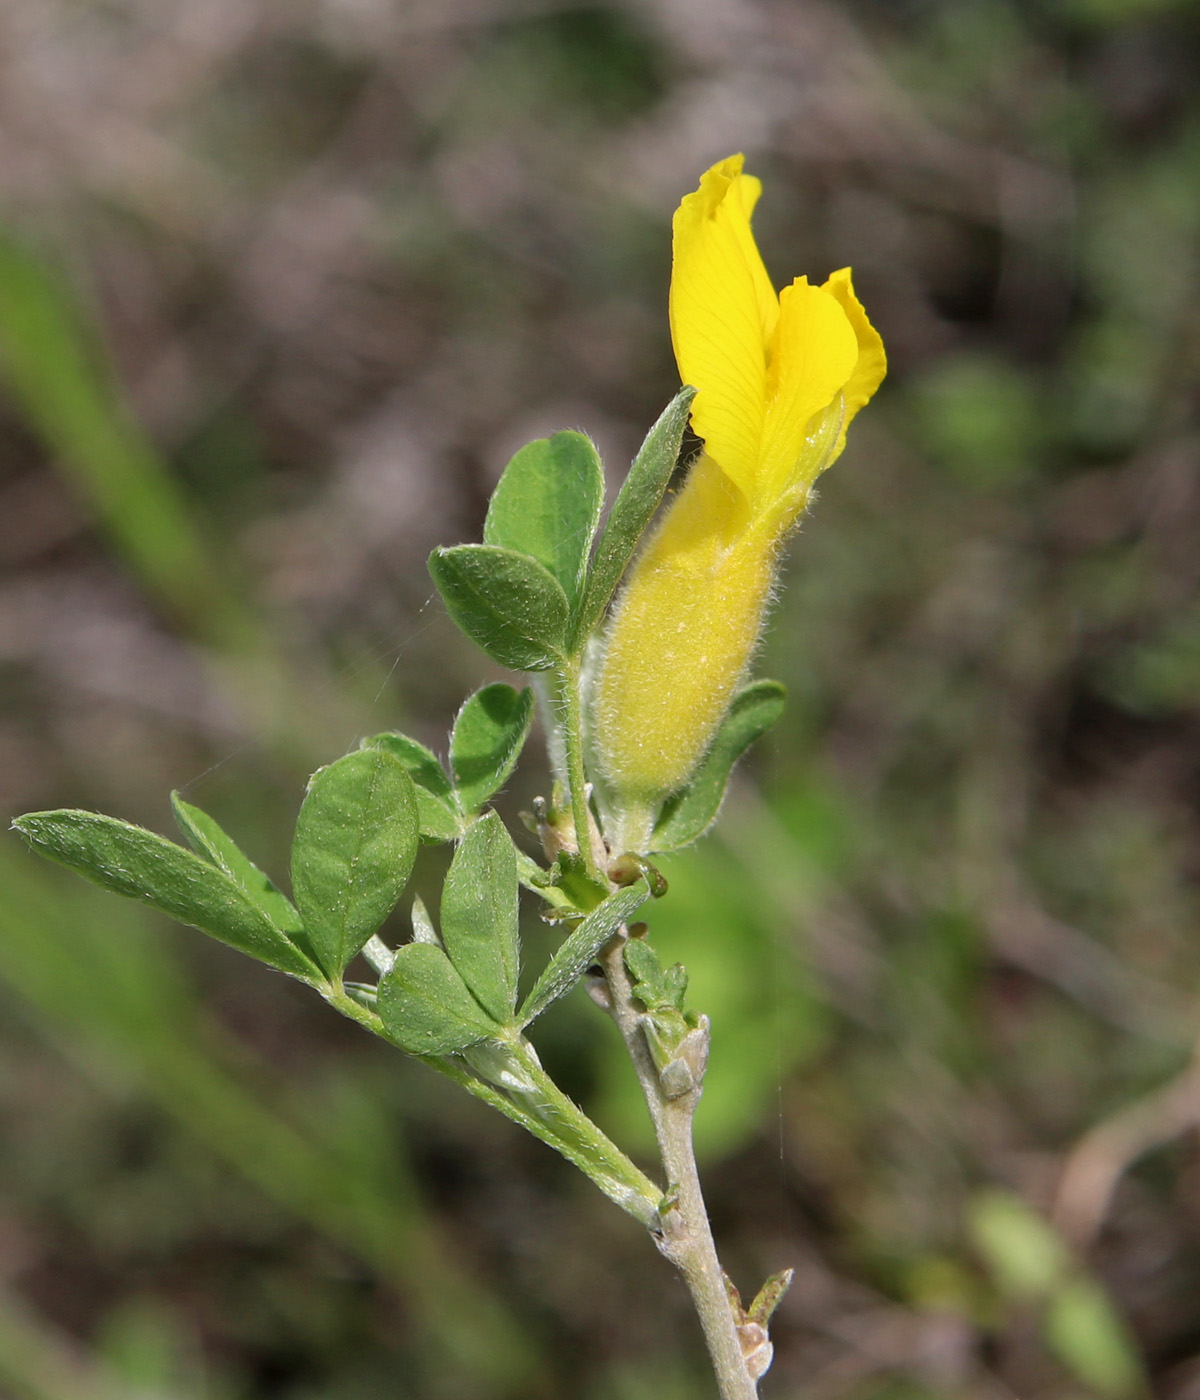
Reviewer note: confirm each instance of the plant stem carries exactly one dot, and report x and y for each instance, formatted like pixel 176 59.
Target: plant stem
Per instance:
pixel 531 1098
pixel 507 1075
pixel 686 1238
pixel 691 1248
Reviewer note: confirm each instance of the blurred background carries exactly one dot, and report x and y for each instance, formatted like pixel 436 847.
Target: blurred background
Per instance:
pixel 282 285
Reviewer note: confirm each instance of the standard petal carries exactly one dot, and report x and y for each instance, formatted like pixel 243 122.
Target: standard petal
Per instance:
pixel 813 358
pixel 722 311
pixel 742 200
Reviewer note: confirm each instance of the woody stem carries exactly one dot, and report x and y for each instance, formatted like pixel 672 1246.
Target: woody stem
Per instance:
pixel 686 1237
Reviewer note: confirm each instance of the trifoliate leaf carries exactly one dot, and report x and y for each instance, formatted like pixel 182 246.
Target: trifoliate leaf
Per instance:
pixel 207 839
pixel 425 1005
pixel 436 809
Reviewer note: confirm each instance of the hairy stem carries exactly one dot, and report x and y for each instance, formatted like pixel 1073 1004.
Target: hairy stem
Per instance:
pixel 688 1243
pixel 686 1238
pixel 546 687
pixel 571 712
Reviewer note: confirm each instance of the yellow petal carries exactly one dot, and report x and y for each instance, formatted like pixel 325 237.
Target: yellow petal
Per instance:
pixel 723 314
pixel 872 362
pixel 813 357
pixel 745 192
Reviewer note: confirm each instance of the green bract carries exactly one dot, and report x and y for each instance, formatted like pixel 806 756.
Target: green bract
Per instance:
pixel 687 815
pixel 634 507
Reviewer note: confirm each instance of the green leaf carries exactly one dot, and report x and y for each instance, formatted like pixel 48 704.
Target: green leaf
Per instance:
pixel 425 1005
pixel 578 952
pixel 356 840
pixel 675 985
pixel 144 866
pixel 634 508
pixel 642 962
pixel 1086 1333
pixel 436 808
pixel 688 814
pixel 488 736
pixel 656 989
pixel 547 505
pixel 506 602
pixel 208 839
pixel 479 915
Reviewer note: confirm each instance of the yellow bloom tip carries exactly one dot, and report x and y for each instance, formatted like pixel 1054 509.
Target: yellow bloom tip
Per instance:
pixel 764 364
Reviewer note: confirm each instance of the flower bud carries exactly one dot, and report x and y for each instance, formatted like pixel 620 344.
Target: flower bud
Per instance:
pixel 681 638
pixel 778 378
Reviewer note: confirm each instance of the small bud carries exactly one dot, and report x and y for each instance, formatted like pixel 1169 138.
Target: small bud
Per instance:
pixel 555 829
pixel 677 1079
pixel 597 988
pixel 756 1349
pixel 770 1295
pixel 629 868
pixel 625 870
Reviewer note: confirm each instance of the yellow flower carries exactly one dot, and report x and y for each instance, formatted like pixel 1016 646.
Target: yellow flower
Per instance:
pixel 779 377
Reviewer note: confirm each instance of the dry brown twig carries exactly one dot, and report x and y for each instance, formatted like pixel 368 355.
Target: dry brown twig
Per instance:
pixel 1103 1155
